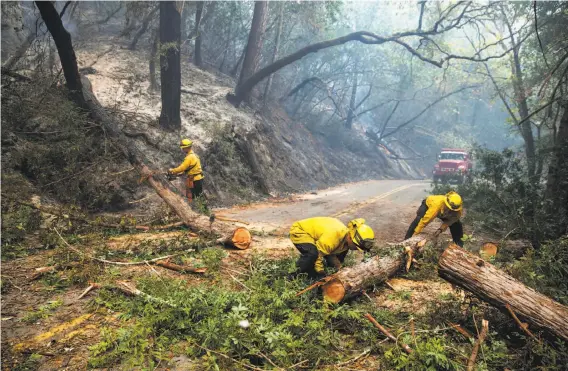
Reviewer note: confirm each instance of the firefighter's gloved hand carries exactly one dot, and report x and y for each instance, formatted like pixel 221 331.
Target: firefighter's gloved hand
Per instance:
pixel 438 232
pixel 170 176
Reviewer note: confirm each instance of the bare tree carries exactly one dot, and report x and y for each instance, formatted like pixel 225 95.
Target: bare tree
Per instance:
pixel 351 109
pixel 170 68
pixel 275 50
pixel 254 44
pixel 557 182
pixel 153 57
pixel 197 59
pixel 62 40
pixel 143 28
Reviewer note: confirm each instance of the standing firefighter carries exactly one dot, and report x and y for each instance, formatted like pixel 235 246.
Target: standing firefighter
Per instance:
pixel 447 208
pixel 324 237
pixel 191 166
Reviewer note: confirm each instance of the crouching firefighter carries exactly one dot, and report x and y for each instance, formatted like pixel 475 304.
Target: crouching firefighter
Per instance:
pixel 447 208
pixel 328 238
pixel 191 166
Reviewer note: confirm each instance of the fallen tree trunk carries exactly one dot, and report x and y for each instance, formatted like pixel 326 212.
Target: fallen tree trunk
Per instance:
pixel 501 290
pixel 351 281
pixel 157 181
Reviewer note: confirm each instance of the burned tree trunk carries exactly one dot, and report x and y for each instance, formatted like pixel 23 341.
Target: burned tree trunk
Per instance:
pixel 274 52
pixel 254 44
pixel 197 60
pixel 20 52
pixel 170 68
pixel 557 182
pixel 235 69
pixel 501 290
pixel 351 281
pixel 351 112
pixel 152 62
pixel 62 40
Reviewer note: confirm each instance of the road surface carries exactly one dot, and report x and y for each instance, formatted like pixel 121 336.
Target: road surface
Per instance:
pixel 387 205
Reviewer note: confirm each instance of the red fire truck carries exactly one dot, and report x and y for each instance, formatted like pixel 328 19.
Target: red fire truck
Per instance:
pixel 453 165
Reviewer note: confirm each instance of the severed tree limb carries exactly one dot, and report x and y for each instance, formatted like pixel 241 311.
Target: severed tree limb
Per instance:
pixel 461 330
pixel 130 289
pixel 387 333
pixel 477 345
pixel 75 218
pixel 313 286
pixel 179 268
pixel 239 282
pixel 41 271
pixel 365 352
pixel 85 255
pixel 522 325
pixel 91 287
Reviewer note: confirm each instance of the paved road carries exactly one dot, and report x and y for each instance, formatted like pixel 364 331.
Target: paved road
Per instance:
pixel 388 206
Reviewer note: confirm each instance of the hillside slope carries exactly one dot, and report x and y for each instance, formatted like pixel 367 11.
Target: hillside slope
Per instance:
pixel 247 153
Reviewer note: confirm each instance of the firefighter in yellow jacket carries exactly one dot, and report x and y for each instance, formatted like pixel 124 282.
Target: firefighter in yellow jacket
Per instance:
pixel 327 238
pixel 191 166
pixel 448 208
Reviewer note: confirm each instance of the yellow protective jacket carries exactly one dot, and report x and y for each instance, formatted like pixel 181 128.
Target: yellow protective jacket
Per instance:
pixel 191 166
pixel 437 209
pixel 327 234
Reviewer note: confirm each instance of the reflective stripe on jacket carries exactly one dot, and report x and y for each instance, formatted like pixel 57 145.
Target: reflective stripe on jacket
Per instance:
pixel 437 209
pixel 190 165
pixel 327 234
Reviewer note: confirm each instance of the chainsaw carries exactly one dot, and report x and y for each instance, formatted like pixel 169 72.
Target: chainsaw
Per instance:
pixel 171 176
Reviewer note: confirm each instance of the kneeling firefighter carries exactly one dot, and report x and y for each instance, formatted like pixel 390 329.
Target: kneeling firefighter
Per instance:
pixel 191 166
pixel 323 237
pixel 447 208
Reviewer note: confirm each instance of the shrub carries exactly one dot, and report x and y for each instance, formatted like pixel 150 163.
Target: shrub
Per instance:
pixel 546 269
pixel 60 151
pixel 498 196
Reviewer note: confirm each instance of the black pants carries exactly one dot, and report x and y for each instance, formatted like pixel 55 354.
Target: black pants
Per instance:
pixel 456 229
pixel 197 189
pixel 309 255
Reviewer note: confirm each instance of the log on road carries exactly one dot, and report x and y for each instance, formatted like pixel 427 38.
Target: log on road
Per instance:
pixel 351 281
pixel 501 290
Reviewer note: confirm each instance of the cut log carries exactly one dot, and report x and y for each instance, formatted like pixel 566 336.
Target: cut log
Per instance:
pixel 240 239
pixel 513 248
pixel 351 281
pixel 488 250
pixel 501 290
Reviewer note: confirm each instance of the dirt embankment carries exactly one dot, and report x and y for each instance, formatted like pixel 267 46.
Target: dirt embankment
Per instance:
pixel 247 154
